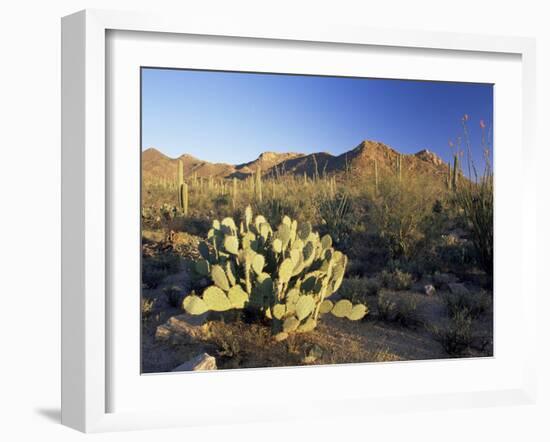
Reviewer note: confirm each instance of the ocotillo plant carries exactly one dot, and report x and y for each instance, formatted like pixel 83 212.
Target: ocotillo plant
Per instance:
pixel 286 275
pixel 258 184
pixel 449 178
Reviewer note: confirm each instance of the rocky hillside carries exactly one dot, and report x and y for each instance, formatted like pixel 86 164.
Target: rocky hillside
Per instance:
pixel 361 159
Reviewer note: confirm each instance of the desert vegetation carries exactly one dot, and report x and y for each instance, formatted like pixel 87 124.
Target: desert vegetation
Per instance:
pixel 292 259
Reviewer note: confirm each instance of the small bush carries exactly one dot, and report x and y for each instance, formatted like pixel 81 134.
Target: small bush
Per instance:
pixel 339 218
pixel 396 280
pixel 402 310
pixel 406 312
pixel 457 336
pixel 473 304
pixel 151 277
pixel 147 306
pixel 357 289
pixel 386 307
pixel 174 295
pixel 156 268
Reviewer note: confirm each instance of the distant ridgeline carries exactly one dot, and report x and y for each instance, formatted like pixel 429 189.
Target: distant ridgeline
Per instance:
pixel 360 160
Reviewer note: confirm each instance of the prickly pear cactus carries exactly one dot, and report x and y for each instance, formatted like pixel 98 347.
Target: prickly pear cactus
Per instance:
pixel 286 273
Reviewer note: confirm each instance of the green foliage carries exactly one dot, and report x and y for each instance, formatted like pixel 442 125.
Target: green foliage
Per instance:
pixel 151 277
pixel 457 336
pixel 156 268
pixel 174 295
pixel 285 274
pixel 396 280
pixel 339 218
pixel 476 202
pixel 357 289
pixel 474 304
pixel 399 212
pixel 399 309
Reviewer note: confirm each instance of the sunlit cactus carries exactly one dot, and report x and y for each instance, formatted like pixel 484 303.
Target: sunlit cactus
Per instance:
pixel 258 185
pixel 183 198
pixel 455 173
pixel 287 274
pixel 234 193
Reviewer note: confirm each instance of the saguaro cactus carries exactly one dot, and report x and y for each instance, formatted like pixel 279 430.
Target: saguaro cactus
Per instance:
pixel 258 184
pixel 455 172
pixel 398 167
pixel 183 197
pixel 180 173
pixel 234 193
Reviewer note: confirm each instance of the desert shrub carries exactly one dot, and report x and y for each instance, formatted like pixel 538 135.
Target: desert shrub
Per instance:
pixel 152 276
pixel 174 295
pixel 386 307
pixel 155 268
pixel 472 304
pixel 339 218
pixel 399 212
pixel 357 289
pixel 168 262
pixel 222 202
pixel 371 248
pixel 285 275
pixel 457 336
pixel 396 279
pixel 399 309
pixel 147 307
pixel 406 312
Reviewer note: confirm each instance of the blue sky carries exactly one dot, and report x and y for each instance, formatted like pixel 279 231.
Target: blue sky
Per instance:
pixel 233 117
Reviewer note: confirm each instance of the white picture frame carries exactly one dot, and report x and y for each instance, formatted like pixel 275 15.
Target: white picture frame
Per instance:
pixel 86 211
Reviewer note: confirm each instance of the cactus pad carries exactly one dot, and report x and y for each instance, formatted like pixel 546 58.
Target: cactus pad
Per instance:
pixel 290 324
pixel 194 305
pixel 202 267
pixel 231 244
pixel 219 277
pixel 237 297
pixel 304 306
pixel 326 306
pixel 342 308
pixel 216 300
pixel 258 263
pixel 357 312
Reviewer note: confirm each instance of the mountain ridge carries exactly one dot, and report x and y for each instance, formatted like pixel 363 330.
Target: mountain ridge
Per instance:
pixel 360 159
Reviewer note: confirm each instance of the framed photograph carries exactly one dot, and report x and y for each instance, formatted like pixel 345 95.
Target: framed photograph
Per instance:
pixel 269 221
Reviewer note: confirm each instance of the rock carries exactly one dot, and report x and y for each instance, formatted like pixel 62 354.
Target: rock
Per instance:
pixel 314 353
pixel 201 362
pixel 429 290
pixel 458 289
pixel 183 329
